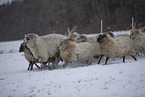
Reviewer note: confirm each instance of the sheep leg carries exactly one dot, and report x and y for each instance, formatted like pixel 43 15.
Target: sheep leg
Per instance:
pixel 55 62
pixel 37 66
pixel 29 66
pixel 134 58
pixel 106 60
pixel 124 59
pixel 65 64
pixel 100 59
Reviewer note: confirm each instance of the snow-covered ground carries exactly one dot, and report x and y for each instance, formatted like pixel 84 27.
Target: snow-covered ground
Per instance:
pixel 116 79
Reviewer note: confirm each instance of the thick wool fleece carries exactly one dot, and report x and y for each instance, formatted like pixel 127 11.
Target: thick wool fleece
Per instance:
pixel 44 47
pixel 79 52
pixel 118 47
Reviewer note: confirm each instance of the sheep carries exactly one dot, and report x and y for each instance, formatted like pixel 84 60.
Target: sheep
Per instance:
pixel 29 56
pixel 78 52
pixel 92 40
pixel 44 47
pixel 138 40
pixel 113 48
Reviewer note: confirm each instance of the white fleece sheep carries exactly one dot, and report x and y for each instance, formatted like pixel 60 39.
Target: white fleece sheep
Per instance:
pixel 44 47
pixel 113 48
pixel 138 40
pixel 79 52
pixel 90 39
pixel 29 56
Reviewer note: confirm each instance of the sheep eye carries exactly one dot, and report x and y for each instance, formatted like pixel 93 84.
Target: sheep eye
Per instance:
pixel 28 38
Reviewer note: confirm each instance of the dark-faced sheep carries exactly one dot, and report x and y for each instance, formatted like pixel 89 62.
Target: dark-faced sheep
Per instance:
pixel 113 48
pixel 29 56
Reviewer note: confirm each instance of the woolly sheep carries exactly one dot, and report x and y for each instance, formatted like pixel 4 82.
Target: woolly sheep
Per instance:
pixel 138 40
pixel 92 40
pixel 79 52
pixel 44 47
pixel 112 48
pixel 29 56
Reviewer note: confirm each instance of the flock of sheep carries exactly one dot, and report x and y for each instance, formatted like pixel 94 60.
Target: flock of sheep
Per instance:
pixel 76 47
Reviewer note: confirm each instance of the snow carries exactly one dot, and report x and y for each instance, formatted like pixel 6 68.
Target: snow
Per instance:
pixel 116 79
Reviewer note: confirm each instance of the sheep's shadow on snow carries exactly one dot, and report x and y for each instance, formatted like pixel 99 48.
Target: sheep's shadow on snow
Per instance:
pixel 60 66
pixel 95 61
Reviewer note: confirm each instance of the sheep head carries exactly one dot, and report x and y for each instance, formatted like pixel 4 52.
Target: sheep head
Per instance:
pixel 80 38
pixel 64 43
pixel 22 47
pixel 73 34
pixel 70 39
pixel 134 33
pixel 30 39
pixel 101 38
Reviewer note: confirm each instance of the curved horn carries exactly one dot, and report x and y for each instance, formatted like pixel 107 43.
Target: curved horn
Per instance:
pixel 73 30
pixel 68 31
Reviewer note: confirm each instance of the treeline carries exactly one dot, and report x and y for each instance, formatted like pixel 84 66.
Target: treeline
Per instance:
pixel 45 16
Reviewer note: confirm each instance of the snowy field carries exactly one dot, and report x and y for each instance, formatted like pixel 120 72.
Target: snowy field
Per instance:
pixel 116 79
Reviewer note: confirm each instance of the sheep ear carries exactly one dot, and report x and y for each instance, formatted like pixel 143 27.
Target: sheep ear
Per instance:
pixel 68 31
pixel 111 34
pixel 73 30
